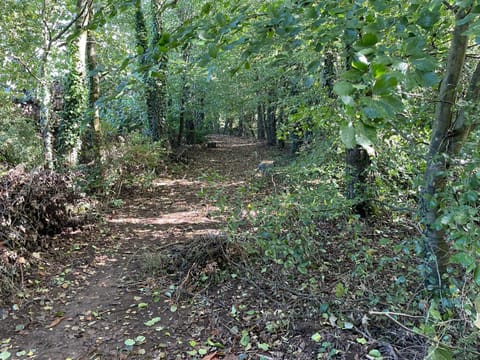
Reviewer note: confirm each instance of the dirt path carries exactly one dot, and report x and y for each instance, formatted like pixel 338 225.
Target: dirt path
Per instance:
pixel 121 281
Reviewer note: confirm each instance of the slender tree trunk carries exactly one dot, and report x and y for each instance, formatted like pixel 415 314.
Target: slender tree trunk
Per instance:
pixel 94 131
pixel 45 93
pixel 260 122
pixel 270 123
pixel 448 136
pixel 281 119
pixel 190 128
pixel 241 119
pixel 328 74
pixel 45 118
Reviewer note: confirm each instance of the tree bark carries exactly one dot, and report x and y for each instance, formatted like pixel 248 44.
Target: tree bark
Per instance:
pixel 260 122
pixel 449 132
pixel 358 161
pixel 270 123
pixel 93 136
pixel 155 92
pixel 75 93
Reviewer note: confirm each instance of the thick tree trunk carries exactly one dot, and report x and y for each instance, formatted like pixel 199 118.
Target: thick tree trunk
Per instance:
pixel 356 165
pixel 358 161
pixel 154 87
pixel 448 135
pixel 75 99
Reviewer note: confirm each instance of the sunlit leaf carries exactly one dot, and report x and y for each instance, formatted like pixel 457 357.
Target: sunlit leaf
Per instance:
pixel 347 134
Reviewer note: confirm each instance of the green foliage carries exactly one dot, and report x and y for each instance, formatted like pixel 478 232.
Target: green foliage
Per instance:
pixel 286 222
pixel 75 101
pixel 124 114
pixel 131 162
pixel 19 139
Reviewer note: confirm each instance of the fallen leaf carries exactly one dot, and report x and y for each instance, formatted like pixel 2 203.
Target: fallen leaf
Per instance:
pixel 211 356
pixel 56 322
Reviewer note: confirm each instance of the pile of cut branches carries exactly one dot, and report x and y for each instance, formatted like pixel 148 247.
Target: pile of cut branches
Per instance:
pixel 34 204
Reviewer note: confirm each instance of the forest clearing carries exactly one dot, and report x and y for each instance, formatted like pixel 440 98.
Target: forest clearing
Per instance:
pixel 278 179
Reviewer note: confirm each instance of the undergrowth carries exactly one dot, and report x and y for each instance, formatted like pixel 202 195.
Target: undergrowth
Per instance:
pixel 303 241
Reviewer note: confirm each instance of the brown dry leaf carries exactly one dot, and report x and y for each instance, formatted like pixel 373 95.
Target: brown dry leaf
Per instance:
pixel 56 322
pixel 230 357
pixel 211 356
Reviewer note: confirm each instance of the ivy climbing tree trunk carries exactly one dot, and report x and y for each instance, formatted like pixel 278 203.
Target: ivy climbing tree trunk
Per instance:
pixel 93 134
pixel 50 36
pixel 75 93
pixel 155 79
pixel 449 132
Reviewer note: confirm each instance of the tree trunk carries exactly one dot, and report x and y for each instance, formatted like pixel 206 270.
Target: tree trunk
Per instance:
pixel 241 123
pixel 93 135
pixel 260 122
pixel 155 93
pixel 358 161
pixel 328 74
pixel 448 136
pixel 45 119
pixel 356 165
pixel 75 99
pixel 270 123
pixel 190 128
pixel 281 119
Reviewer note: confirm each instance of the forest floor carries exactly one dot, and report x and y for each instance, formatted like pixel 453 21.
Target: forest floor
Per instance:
pixel 157 279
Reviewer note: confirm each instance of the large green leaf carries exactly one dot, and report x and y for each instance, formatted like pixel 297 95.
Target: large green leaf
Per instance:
pixel 360 62
pixel 347 134
pixel 428 18
pixel 462 258
pixel 343 88
pixel 368 40
pixel 366 136
pixel 385 84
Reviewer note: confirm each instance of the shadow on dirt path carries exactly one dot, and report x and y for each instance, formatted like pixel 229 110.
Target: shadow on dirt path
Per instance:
pixel 101 298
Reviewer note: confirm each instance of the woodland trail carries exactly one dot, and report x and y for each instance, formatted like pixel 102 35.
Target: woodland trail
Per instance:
pixel 109 284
